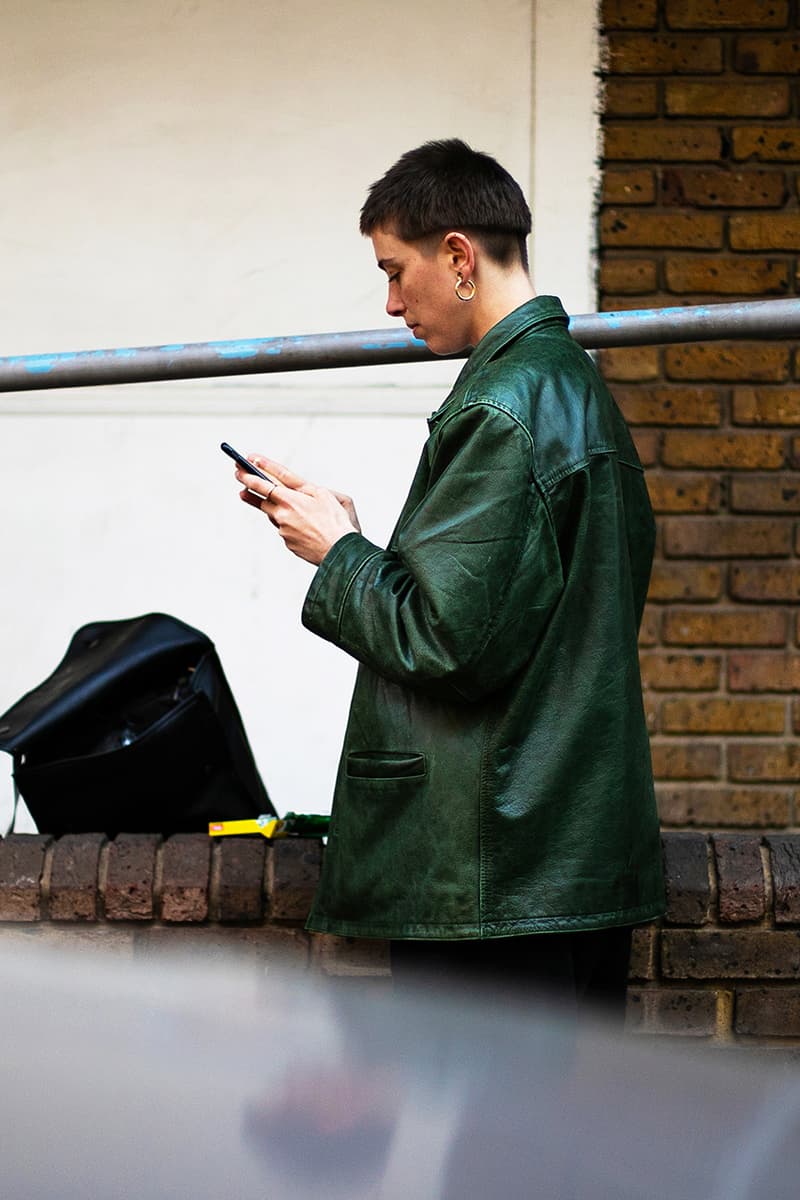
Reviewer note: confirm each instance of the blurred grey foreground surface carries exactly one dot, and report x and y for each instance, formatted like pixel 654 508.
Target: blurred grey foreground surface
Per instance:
pixel 216 1080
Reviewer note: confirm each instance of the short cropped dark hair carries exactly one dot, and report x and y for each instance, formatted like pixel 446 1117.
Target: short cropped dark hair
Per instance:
pixel 447 185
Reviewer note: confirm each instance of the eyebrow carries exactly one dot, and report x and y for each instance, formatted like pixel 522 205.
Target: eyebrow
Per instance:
pixel 383 263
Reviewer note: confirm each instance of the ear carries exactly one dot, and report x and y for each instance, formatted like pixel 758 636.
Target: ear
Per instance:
pixel 460 252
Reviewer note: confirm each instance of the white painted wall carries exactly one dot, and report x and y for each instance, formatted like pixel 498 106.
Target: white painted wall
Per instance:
pixel 193 171
pixel 566 149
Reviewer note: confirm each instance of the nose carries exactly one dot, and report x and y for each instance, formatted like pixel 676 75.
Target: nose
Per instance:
pixel 394 304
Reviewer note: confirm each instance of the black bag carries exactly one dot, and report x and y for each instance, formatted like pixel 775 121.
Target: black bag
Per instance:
pixel 136 731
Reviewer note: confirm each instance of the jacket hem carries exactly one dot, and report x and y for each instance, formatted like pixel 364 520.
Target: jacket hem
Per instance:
pixel 487 929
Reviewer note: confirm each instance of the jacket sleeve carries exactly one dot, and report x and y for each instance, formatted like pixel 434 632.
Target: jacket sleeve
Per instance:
pixel 457 604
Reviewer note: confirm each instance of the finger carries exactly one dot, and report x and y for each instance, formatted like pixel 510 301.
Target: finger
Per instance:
pixel 254 483
pixel 278 471
pixel 251 499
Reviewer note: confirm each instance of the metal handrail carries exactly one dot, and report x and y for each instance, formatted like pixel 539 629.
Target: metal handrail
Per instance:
pixel 760 319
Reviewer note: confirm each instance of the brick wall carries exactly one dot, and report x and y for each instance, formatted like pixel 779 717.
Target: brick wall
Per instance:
pixel 723 965
pixel 701 181
pixel 137 895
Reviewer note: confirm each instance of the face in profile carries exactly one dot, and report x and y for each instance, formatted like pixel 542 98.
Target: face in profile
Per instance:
pixel 422 277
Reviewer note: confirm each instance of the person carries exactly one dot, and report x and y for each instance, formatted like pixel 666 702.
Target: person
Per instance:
pixel 494 812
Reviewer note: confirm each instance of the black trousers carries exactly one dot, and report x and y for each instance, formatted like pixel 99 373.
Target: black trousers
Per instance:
pixel 584 972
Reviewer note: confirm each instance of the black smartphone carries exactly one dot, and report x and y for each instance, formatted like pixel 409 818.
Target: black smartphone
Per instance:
pixel 245 464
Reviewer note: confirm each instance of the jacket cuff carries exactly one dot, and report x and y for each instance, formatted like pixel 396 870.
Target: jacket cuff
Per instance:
pixel 325 599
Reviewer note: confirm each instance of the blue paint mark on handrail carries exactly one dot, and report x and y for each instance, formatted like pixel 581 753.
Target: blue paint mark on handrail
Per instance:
pixel 676 316
pixel 235 349
pixel 39 364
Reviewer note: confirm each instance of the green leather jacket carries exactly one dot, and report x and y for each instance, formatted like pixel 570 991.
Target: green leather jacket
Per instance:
pixel 495 777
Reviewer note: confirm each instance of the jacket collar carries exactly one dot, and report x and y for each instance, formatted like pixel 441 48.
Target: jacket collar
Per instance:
pixel 536 314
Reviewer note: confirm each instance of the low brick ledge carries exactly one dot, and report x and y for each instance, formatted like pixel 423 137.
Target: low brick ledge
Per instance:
pixel 138 893
pixel 723 964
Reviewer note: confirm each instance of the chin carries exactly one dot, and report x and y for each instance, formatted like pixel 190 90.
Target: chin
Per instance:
pixel 441 347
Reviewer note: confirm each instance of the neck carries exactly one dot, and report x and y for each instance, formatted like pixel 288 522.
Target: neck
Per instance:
pixel 498 293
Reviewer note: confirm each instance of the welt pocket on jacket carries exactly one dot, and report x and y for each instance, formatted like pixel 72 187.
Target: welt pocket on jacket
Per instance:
pixel 385 764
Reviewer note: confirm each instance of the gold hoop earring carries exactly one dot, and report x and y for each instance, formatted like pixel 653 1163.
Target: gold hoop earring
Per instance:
pixel 469 284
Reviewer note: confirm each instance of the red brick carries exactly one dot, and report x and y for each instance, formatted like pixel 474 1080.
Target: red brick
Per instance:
pixel 240 889
pixel 640 227
pixel 765 582
pixel 686 760
pixel 740 876
pixel 771 762
pixel 767 1012
pixel 629 14
pixel 713 187
pixel 723 716
pixel 621 303
pixel 726 14
pixel 185 873
pixel 766 406
pixel 710 807
pixel 769 493
pixel 684 581
pixel 74 877
pixel 724 627
pixel 22 865
pixel 645 142
pixel 687 878
pixel 624 363
pixel 680 672
pixel 651 708
pixel 765 231
pixel 674 493
pixel 650 630
pixel 730 954
pixel 669 405
pixel 631 275
pixel 630 98
pixel 646 54
pixel 644 950
pixel 757 54
pixel 727 276
pixel 743 451
pixel 725 537
pixel 686 98
pixel 686 1012
pixel 130 877
pixel 766 672
pixel 784 857
pixel 293 870
pixel 648 444
pixel 732 361
pixel 764 143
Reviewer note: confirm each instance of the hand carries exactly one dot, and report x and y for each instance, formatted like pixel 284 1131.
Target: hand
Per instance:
pixel 310 519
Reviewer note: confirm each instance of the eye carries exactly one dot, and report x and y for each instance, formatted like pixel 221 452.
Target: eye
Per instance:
pixel 392 278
